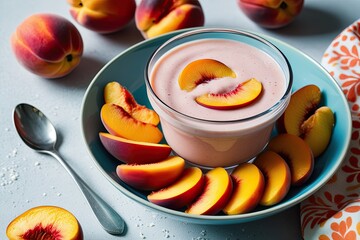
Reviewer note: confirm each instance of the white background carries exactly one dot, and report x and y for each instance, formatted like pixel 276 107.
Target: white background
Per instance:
pixel 40 179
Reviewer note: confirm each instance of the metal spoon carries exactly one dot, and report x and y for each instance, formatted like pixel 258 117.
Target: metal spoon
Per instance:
pixel 39 134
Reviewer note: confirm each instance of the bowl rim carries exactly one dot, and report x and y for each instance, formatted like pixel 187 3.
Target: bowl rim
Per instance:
pixel 216 219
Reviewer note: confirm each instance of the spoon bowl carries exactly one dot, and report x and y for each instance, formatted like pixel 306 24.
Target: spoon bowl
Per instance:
pixel 36 130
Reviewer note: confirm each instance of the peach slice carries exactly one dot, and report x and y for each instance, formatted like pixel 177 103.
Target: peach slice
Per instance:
pixel 302 104
pixel 244 94
pixel 202 71
pixel 120 123
pixel 153 176
pixel 217 191
pixel 249 185
pixel 277 177
pixel 182 192
pixel 302 115
pixel 45 222
pixel 317 130
pixel 134 152
pixel 297 154
pixel 115 93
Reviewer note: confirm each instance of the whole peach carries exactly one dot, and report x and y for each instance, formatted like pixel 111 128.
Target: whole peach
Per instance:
pixel 47 45
pixel 156 17
pixel 103 16
pixel 271 13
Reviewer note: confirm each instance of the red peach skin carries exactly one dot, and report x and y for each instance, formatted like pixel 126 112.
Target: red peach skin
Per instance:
pixel 152 176
pixel 47 45
pixel 103 16
pixel 216 194
pixel 182 192
pixel 156 17
pixel 134 152
pixel 271 13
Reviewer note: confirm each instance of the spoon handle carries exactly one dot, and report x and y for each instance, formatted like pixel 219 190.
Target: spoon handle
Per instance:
pixel 108 218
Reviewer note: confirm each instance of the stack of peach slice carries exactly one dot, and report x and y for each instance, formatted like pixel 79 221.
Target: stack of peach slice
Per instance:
pixel 133 136
pixel 305 117
pixel 287 161
pixel 204 70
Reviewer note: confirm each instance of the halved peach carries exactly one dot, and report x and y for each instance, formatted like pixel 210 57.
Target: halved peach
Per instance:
pixel 303 103
pixel 216 193
pixel 182 192
pixel 120 123
pixel 134 152
pixel 297 154
pixel 153 176
pixel 115 93
pixel 45 222
pixel 156 17
pixel 202 71
pixel 244 94
pixel 317 130
pixel 277 177
pixel 249 185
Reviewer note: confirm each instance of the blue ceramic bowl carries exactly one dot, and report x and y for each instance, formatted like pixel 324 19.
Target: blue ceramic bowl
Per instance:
pixel 128 68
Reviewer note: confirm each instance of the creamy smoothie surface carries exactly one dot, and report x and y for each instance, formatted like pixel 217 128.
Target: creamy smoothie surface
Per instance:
pixel 246 61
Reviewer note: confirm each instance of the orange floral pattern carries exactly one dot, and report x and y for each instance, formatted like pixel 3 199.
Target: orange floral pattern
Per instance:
pixel 334 211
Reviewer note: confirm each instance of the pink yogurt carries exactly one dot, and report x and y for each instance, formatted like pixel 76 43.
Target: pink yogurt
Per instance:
pixel 209 137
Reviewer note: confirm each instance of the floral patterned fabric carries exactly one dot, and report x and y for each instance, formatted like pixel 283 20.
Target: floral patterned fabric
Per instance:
pixel 334 211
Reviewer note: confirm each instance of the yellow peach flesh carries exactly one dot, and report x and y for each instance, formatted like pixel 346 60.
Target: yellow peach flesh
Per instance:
pixel 297 154
pixel 277 177
pixel 60 219
pixel 120 123
pixel 317 130
pixel 201 71
pixel 117 94
pixel 302 103
pixel 216 193
pixel 244 94
pixel 248 189
pixel 177 19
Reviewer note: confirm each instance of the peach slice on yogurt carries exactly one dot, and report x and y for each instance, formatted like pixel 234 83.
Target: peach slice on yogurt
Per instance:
pixel 277 177
pixel 115 93
pixel 217 191
pixel 134 152
pixel 120 123
pixel 182 192
pixel 153 176
pixel 249 185
pixel 202 71
pixel 244 94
